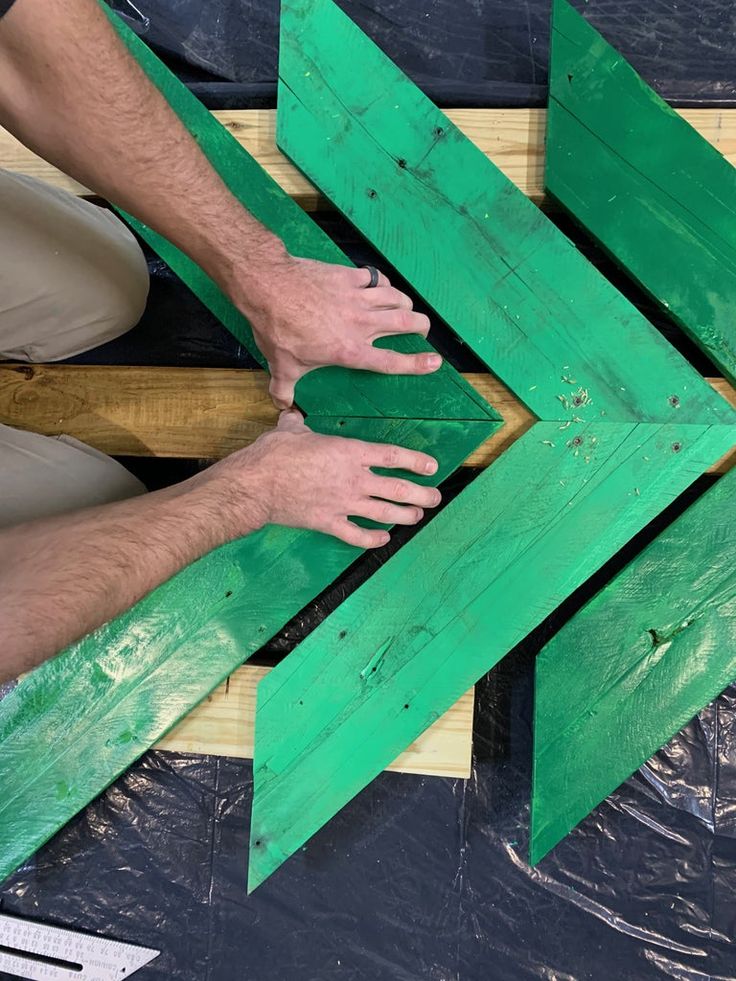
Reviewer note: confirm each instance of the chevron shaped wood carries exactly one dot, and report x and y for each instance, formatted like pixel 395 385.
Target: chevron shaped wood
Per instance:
pixel 80 720
pixel 625 425
pixel 664 629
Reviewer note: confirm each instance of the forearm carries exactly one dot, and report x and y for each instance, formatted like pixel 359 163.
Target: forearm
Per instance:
pixel 62 577
pixel 70 90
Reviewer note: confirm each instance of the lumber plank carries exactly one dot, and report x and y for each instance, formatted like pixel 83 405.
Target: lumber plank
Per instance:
pixel 223 725
pixel 617 153
pixel 72 726
pixel 200 413
pixel 564 497
pixel 644 656
pixel 512 138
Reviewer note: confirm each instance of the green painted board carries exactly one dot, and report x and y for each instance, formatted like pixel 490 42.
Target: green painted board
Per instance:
pixel 635 665
pixel 478 251
pixel 80 720
pixel 614 449
pixel 653 191
pixel 400 650
pixel 442 395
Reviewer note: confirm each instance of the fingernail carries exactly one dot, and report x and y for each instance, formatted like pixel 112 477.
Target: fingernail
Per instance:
pixel 437 497
pixel 430 466
pixel 385 538
pixel 433 361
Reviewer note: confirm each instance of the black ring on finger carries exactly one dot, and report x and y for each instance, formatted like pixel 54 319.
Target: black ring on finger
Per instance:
pixel 374 277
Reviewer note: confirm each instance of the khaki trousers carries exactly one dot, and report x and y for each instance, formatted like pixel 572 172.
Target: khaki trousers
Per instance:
pixel 72 276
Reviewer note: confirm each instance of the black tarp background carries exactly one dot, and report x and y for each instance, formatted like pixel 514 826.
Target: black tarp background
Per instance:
pixel 461 52
pixel 418 879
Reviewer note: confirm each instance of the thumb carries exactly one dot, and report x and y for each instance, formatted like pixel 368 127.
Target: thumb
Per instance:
pixel 291 421
pixel 281 390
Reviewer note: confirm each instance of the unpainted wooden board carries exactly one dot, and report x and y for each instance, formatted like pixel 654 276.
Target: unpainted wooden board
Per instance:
pixel 614 450
pixel 644 183
pixel 635 665
pixel 223 724
pixel 202 413
pixel 512 138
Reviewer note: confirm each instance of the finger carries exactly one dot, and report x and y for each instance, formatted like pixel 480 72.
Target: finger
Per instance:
pixel 393 457
pixel 362 279
pixel 390 514
pixel 386 323
pixel 392 363
pixel 360 537
pixel 281 390
pixel 387 298
pixel 291 421
pixel 402 491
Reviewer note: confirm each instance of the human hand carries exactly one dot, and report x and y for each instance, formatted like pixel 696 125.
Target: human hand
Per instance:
pixel 292 476
pixel 307 314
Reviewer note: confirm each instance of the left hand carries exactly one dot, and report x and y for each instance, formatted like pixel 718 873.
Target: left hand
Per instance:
pixel 307 314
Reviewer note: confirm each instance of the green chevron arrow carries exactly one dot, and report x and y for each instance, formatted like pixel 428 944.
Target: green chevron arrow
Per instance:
pixel 625 424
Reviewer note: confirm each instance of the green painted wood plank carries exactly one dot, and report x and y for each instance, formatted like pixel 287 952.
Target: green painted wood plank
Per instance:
pixel 335 390
pixel 448 606
pixel 479 252
pixel 634 666
pixel 655 194
pixel 78 721
pixel 544 516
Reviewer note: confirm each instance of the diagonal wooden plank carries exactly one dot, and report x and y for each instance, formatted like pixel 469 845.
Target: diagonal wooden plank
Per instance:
pixel 485 258
pixel 483 573
pixel 197 412
pixel 665 626
pixel 512 138
pixel 442 395
pixel 634 666
pixel 78 721
pixel 223 725
pixel 651 190
pixel 72 726
pixel 545 515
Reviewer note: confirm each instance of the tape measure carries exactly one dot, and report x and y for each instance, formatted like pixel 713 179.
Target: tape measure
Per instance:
pixel 45 953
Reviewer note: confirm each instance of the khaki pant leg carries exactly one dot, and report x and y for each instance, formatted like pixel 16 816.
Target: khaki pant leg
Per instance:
pixel 42 476
pixel 72 275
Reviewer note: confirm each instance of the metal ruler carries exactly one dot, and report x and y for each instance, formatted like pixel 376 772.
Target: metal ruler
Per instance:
pixel 45 953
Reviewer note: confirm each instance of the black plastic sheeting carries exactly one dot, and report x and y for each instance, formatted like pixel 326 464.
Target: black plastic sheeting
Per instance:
pixel 461 52
pixel 418 879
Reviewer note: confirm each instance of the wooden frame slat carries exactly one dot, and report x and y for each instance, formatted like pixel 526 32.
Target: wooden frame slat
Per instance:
pixel 512 138
pixel 197 412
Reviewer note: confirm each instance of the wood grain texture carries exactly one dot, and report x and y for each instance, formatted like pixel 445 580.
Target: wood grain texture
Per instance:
pixel 658 197
pixel 655 646
pixel 202 413
pixel 70 728
pixel 614 447
pixel 512 138
pixel 223 725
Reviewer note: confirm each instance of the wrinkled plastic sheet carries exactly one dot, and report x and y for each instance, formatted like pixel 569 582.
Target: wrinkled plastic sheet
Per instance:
pixel 418 879
pixel 460 52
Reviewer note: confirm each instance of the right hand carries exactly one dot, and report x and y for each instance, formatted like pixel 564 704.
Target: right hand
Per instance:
pixel 292 476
